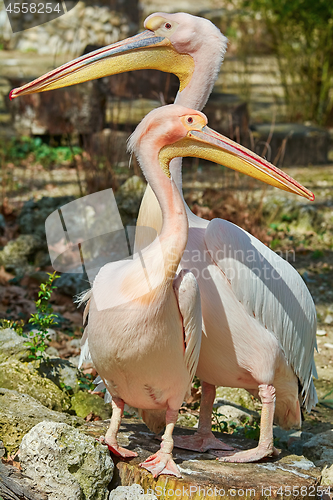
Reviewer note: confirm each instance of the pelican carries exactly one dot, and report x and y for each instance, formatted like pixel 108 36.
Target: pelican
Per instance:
pixel 144 321
pixel 259 320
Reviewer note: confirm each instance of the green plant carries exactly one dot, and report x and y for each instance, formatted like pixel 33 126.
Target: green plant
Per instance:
pixel 86 381
pixel 219 425
pixel 17 326
pixel 43 319
pixel 21 148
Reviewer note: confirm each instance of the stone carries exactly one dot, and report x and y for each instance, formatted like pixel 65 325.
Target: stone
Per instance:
pixel 52 352
pixel 65 463
pixel 15 256
pixel 320 448
pixel 61 371
pixel 72 284
pixel 2 222
pixel 327 476
pixel 19 413
pixel 234 414
pixel 329 319
pixel 202 470
pixel 25 379
pixel 12 346
pixel 238 396
pixel 129 197
pixel 34 213
pixel 83 403
pixel 187 420
pixel 133 492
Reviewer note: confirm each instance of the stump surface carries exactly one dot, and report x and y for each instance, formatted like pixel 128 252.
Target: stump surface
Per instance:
pixel 287 476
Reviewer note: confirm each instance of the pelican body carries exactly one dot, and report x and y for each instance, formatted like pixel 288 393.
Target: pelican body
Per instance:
pixel 259 320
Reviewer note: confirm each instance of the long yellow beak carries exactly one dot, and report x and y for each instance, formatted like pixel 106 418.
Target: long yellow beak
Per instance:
pixel 142 51
pixel 212 146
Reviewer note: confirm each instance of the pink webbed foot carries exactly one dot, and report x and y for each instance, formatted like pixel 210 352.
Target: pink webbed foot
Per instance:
pixel 253 455
pixel 117 450
pixel 161 463
pixel 201 443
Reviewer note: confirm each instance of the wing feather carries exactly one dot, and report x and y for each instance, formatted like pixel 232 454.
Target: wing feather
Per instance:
pixel 188 296
pixel 271 290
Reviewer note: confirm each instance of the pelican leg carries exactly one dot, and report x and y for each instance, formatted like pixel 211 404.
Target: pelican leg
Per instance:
pixel 110 438
pixel 203 439
pixel 162 462
pixel 265 446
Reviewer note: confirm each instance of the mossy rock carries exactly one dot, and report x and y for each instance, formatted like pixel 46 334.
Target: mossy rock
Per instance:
pixel 23 378
pixel 16 255
pixel 12 346
pixel 187 420
pixel 19 413
pixel 239 396
pixel 84 403
pixel 65 463
pixel 61 371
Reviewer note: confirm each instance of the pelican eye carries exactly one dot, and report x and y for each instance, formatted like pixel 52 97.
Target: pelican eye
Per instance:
pixel 168 26
pixel 189 120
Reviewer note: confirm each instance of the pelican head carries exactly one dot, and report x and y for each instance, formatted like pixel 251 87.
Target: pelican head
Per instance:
pixel 171 43
pixel 176 131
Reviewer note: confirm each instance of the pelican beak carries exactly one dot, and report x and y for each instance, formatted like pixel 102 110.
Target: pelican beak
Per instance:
pixel 212 146
pixel 142 51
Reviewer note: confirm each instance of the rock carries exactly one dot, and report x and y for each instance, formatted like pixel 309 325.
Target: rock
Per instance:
pixel 202 470
pixel 12 346
pixel 187 420
pixel 320 448
pixel 24 378
pixel 61 371
pixel 284 436
pixel 72 284
pixel 34 213
pixel 2 222
pixel 65 463
pixel 235 414
pixel 133 492
pixel 52 352
pixel 329 319
pixel 16 254
pixel 327 476
pixel 84 403
pixel 239 396
pixel 20 412
pixel 129 197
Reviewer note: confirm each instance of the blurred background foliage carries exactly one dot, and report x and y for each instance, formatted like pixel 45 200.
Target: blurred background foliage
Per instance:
pixel 300 35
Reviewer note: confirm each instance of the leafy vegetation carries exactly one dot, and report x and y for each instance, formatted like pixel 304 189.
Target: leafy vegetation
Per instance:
pixel 17 326
pixel 301 37
pixel 21 148
pixel 43 319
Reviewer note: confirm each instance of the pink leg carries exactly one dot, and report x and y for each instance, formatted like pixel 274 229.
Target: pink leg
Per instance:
pixel 111 435
pixel 265 446
pixel 203 439
pixel 162 462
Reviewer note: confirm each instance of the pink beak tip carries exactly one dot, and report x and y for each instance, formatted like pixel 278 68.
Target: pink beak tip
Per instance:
pixel 11 97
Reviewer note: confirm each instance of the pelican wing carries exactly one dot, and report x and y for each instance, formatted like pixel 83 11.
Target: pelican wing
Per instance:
pixel 273 292
pixel 188 296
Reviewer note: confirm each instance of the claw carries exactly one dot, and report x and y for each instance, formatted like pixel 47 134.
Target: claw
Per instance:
pixel 161 463
pixel 201 443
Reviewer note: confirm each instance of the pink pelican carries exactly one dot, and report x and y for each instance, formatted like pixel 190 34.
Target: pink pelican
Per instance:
pixel 259 320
